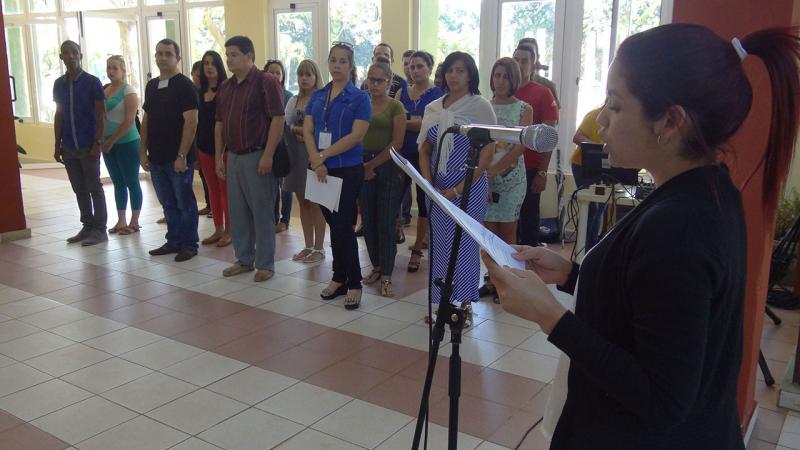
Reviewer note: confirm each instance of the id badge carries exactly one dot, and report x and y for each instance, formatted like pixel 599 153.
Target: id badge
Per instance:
pixel 324 140
pixel 416 117
pixel 163 83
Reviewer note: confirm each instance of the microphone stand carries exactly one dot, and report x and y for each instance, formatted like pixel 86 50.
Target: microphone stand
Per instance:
pixel 448 313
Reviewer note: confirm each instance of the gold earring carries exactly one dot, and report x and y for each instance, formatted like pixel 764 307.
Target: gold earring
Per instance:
pixel 658 140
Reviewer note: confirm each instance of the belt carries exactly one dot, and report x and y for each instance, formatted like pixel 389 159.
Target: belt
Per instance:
pixel 247 150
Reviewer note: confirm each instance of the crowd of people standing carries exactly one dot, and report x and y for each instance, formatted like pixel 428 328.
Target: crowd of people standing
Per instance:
pixel 230 127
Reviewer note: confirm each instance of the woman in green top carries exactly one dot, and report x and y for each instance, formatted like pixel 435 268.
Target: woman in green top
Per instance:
pixel 121 145
pixel 382 190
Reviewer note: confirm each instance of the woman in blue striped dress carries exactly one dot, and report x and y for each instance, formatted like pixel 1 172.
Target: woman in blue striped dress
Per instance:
pixel 461 105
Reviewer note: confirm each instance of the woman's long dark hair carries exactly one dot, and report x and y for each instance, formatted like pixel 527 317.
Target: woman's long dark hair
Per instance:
pixel 690 66
pixel 472 71
pixel 221 74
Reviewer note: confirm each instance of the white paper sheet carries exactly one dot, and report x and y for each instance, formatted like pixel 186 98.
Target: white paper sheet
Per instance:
pixel 325 194
pixel 491 243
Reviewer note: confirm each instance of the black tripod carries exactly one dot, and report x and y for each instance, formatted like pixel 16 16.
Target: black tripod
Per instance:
pixel 448 313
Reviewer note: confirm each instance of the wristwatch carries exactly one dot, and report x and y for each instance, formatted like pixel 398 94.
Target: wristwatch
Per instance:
pixel 542 173
pixel 181 156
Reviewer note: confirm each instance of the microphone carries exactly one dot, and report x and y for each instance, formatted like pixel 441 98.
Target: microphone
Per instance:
pixel 540 138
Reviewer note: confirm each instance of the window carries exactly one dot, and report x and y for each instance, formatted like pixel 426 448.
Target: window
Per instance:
pixel 207 31
pixel 534 19
pixel 18 69
pixel 42 6
pixel 450 25
pixel 106 36
pixel 363 30
pixel 47 67
pixel 13 7
pixel 84 5
pixel 633 16
pixel 295 37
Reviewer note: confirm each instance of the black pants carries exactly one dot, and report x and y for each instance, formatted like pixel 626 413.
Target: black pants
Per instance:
pixel 344 246
pixel 528 228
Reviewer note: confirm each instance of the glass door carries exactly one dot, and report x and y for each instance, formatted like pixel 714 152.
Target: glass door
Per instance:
pixel 534 19
pixel 296 39
pixel 108 34
pixel 164 25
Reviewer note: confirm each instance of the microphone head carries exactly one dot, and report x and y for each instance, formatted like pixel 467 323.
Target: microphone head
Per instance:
pixel 540 138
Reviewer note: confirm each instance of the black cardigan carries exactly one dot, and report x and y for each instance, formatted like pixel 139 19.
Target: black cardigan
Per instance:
pixel 656 339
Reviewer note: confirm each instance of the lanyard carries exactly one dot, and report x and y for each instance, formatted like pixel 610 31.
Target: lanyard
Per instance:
pixel 325 111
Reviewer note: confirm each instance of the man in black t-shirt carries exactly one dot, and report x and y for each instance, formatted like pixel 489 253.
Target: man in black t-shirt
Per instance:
pixel 385 50
pixel 168 131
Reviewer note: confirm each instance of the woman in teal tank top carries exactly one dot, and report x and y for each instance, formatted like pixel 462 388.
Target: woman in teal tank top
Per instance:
pixel 121 145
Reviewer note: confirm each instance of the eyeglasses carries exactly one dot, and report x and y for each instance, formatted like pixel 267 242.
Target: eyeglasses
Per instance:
pixel 342 44
pixel 373 80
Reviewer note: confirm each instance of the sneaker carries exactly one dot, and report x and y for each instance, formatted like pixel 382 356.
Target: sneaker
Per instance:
pixel 236 269
pixel 281 227
pixel 185 254
pixel 263 275
pixel 165 249
pixel 83 234
pixel 95 237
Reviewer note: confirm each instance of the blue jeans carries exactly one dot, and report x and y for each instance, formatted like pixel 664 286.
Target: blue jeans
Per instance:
pixel 174 191
pixel 251 200
pixel 596 212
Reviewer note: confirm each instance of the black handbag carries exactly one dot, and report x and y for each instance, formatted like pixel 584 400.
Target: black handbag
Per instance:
pixel 281 165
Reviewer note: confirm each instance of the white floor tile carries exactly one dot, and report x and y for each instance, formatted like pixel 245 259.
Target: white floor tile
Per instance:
pixel 83 420
pixel 538 343
pixel 194 444
pixel 55 317
pixel 362 423
pixel 106 375
pixel 27 306
pixel 251 429
pixel 330 316
pixel 413 336
pixel 14 329
pixel 374 326
pixel 88 328
pixel 476 351
pixel 197 412
pixel 253 296
pixel 123 341
pixel 139 433
pixel 204 369
pixel 36 401
pixel 308 439
pixel 218 288
pixel 437 439
pixel 402 311
pixel 290 305
pixel 67 359
pixel 251 385
pixel 149 392
pixel 288 284
pixel 16 377
pixel 500 333
pixel 527 364
pixel 161 354
pixel 304 403
pixel 33 345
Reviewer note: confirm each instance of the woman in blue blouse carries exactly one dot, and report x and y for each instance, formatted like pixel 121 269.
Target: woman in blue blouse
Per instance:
pixel 415 98
pixel 337 118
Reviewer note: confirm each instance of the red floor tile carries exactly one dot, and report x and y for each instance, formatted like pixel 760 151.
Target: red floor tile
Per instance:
pixel 478 417
pixel 402 394
pixel 75 293
pixel 253 348
pixel 253 319
pixel 386 356
pixel 215 308
pixel 298 362
pixel 172 323
pixel 37 261
pixel 210 335
pixel 341 344
pixel 418 370
pixel 28 437
pixel 137 313
pixel 349 378
pixel 502 387
pixel 89 274
pixel 8 421
pixel 104 303
pixel 294 331
pixel 118 282
pixel 148 290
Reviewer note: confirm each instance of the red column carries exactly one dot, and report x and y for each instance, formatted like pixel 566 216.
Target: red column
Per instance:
pixel 12 216
pixel 737 18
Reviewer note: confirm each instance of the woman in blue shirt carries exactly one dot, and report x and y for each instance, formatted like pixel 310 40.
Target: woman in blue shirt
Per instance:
pixel 337 118
pixel 415 98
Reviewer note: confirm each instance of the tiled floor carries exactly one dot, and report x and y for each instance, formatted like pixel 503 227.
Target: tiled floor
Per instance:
pixel 107 347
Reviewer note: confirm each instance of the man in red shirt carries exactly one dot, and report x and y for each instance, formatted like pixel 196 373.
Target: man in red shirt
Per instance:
pixel 545 110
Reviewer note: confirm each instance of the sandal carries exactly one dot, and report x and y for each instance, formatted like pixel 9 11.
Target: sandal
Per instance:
pixel 315 256
pixel 329 293
pixel 224 240
pixel 373 276
pixel 351 303
pixel 116 229
pixel 127 230
pixel 386 288
pixel 468 318
pixel 486 290
pixel 413 264
pixel 213 239
pixel 303 254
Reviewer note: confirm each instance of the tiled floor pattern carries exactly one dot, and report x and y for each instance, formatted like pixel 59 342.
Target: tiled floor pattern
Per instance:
pixel 105 347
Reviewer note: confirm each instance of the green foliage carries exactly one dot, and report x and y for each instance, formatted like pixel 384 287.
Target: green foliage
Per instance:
pixel 359 23
pixel 788 212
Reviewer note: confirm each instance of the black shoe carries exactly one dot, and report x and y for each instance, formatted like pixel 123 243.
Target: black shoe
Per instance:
pixel 83 234
pixel 341 290
pixel 486 290
pixel 360 231
pixel 165 249
pixel 185 254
